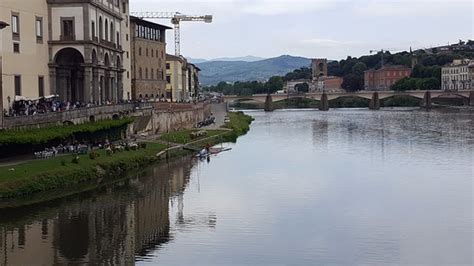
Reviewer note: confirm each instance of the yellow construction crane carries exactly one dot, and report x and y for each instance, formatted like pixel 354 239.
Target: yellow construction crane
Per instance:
pixel 176 19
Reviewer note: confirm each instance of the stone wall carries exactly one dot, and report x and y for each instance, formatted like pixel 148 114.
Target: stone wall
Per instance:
pixel 78 116
pixel 175 118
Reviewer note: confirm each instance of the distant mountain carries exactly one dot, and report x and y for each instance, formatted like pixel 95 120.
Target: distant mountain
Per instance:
pixel 231 71
pixel 248 58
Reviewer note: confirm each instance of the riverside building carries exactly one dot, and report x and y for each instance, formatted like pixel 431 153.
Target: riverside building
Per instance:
pixel 459 75
pixel 76 49
pixel 148 59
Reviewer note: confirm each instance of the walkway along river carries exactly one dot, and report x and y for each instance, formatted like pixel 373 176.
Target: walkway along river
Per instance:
pixel 301 188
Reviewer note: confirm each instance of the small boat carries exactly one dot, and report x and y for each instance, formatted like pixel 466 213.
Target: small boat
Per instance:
pixel 212 151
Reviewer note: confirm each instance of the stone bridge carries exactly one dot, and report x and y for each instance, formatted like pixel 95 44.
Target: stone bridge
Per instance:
pixel 374 97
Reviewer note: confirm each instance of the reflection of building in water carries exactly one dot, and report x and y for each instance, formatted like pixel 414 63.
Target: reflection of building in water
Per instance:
pixel 320 133
pixel 110 226
pixel 98 229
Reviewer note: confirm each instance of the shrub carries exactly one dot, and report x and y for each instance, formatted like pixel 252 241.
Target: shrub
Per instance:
pixel 63 162
pixel 93 155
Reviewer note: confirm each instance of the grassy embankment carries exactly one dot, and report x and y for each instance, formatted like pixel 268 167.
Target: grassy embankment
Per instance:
pixel 66 172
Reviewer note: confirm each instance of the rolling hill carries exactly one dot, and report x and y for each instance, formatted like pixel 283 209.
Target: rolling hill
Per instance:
pixel 232 71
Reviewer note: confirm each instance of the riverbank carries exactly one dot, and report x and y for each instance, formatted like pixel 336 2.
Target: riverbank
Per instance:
pixel 25 180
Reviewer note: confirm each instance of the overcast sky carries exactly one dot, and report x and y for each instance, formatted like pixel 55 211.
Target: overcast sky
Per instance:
pixel 332 29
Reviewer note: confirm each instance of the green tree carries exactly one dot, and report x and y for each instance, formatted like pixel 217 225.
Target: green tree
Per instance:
pixel 352 82
pixel 274 84
pixel 359 68
pixel 302 87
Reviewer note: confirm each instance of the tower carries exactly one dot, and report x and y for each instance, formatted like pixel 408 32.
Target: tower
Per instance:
pixel 319 67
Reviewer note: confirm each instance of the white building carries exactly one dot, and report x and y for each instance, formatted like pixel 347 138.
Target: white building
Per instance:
pixel 458 75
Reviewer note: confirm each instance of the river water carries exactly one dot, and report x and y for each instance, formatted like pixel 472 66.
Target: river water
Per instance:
pixel 303 187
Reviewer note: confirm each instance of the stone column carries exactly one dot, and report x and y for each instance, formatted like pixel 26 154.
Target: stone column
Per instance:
pixel 52 81
pixel 269 103
pixel 426 102
pixel 88 84
pixel 471 98
pixel 324 102
pixel 375 102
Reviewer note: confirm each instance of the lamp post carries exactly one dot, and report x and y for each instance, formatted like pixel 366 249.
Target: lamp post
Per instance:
pixel 2 26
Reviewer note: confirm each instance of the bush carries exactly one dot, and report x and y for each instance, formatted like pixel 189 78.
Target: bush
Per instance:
pixel 143 146
pixel 63 162
pixel 93 155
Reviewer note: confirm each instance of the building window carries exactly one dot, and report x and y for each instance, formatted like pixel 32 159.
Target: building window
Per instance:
pixel 106 30
pixel 40 86
pixel 146 73
pixel 139 51
pixel 152 74
pixel 15 26
pixel 140 73
pixel 100 29
pixel 17 85
pixel 168 66
pixel 126 37
pixel 124 7
pixel 93 30
pixel 67 29
pixel 16 47
pixel 39 29
pixel 168 79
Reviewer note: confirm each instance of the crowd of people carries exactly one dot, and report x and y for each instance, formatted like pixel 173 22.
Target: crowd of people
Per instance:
pixel 22 106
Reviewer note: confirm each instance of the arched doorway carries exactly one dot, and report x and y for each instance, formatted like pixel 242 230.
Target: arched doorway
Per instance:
pixel 70 75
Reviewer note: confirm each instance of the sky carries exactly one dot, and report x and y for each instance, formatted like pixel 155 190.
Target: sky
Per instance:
pixel 332 29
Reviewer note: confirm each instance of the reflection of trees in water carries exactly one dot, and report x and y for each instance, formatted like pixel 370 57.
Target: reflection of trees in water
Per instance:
pixel 107 226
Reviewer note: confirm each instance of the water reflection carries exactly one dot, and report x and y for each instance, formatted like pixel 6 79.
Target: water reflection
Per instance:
pixel 302 188
pixel 110 226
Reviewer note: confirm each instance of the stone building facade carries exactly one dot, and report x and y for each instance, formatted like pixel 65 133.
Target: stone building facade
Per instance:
pixel 73 48
pixel 459 75
pixel 148 53
pixel 382 79
pixel 319 68
pixel 176 78
pixel 193 80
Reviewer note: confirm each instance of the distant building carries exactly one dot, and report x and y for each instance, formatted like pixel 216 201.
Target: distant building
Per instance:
pixel 290 86
pixel 319 67
pixel 176 78
pixel 332 84
pixel 148 52
pixel 382 79
pixel 458 75
pixel 192 76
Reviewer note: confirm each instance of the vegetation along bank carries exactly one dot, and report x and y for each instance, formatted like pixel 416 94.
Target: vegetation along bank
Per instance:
pixel 70 171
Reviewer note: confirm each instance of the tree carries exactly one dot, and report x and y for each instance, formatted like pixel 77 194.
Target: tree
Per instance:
pixel 274 84
pixel 352 82
pixel 359 68
pixel 302 87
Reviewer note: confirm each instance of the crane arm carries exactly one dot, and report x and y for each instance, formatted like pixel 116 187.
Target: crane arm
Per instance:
pixel 157 15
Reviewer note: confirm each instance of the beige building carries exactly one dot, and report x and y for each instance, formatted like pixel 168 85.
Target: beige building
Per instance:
pixel 192 76
pixel 24 49
pixel 458 75
pixel 176 78
pixel 73 48
pixel 148 52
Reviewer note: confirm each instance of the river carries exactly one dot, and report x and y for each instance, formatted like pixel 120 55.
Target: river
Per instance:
pixel 303 187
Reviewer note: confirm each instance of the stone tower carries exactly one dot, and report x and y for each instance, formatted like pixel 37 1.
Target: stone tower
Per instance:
pixel 319 67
